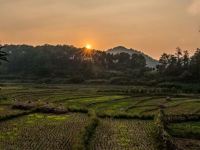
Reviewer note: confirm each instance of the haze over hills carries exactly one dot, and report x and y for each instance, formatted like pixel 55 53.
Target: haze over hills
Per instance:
pixel 121 49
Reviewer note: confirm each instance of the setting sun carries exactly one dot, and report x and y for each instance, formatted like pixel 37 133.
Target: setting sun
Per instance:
pixel 96 69
pixel 88 46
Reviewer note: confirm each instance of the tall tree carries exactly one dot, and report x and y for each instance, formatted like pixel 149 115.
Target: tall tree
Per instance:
pixel 3 55
pixel 163 63
pixel 195 64
pixel 186 59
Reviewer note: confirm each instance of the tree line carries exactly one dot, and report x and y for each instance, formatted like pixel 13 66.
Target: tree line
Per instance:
pixel 180 66
pixel 63 61
pixel 80 64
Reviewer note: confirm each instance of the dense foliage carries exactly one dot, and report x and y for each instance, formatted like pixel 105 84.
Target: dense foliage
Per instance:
pixel 180 67
pixel 64 61
pixel 3 55
pixel 68 64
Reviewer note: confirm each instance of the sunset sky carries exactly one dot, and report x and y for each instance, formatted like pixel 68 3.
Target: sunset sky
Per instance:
pixel 152 26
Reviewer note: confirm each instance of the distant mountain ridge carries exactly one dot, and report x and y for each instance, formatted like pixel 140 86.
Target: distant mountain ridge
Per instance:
pixel 121 49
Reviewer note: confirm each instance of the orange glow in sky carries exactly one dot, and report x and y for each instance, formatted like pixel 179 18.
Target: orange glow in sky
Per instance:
pixel 152 26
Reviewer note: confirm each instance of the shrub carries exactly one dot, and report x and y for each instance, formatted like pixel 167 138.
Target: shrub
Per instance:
pixel 76 79
pixel 182 118
pixel 77 109
pixel 50 109
pixel 120 81
pixel 97 81
pixel 24 106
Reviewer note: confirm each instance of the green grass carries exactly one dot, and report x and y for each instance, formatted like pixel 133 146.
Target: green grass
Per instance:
pixel 131 126
pixel 98 98
pixel 184 107
pixel 187 129
pixel 119 105
pixel 187 144
pixel 123 134
pixel 39 131
pixel 86 102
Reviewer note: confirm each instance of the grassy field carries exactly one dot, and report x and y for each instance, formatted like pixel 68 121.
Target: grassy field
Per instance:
pixel 134 129
pixel 39 131
pixel 124 134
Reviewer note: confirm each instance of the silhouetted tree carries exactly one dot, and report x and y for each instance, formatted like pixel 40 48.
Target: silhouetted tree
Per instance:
pixel 64 61
pixel 3 55
pixel 163 63
pixel 195 64
pixel 186 60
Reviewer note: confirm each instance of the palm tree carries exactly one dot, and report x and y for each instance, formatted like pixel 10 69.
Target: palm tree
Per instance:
pixel 3 55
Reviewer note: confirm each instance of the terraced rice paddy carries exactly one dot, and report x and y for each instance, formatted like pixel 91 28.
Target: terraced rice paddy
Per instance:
pixel 186 129
pixel 91 97
pixel 124 134
pixel 52 131
pixel 187 144
pixel 39 131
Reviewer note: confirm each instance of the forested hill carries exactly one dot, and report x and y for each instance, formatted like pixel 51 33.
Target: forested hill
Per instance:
pixel 75 65
pixel 120 49
pixel 63 61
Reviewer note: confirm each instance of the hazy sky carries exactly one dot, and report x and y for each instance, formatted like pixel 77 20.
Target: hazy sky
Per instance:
pixel 153 26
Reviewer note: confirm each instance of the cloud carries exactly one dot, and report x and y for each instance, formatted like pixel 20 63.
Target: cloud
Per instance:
pixel 194 7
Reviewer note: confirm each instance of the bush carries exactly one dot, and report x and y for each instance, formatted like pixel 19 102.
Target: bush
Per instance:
pixel 76 79
pixel 120 81
pixel 77 109
pixel 182 118
pixel 24 106
pixel 98 81
pixel 40 108
pixel 49 109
